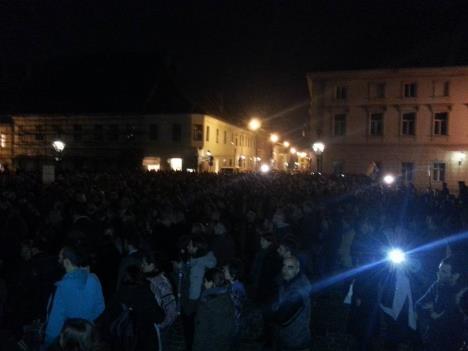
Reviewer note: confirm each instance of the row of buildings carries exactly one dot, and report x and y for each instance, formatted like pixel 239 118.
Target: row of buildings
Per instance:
pixel 152 141
pixel 411 123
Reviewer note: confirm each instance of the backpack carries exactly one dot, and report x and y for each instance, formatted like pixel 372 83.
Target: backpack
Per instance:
pixel 123 331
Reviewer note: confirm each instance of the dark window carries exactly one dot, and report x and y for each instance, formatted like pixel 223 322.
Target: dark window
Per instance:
pixel 197 132
pixel 408 125
pixel 77 132
pixel 39 133
pixel 446 88
pixel 58 131
pixel 376 124
pixel 341 93
pixel 438 172
pixel 217 135
pixel 113 132
pixel 440 123
pixel 207 133
pixel 153 132
pixel 410 90
pixel 98 132
pixel 340 125
pixel 407 171
pixel 176 132
pixel 225 137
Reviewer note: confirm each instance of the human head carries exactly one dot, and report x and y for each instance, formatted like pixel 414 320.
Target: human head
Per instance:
pixel 266 240
pixel 150 264
pixel 78 335
pixel 232 271
pixel 197 247
pixel 450 270
pixel 287 247
pixel 291 268
pixel 71 258
pixel 214 278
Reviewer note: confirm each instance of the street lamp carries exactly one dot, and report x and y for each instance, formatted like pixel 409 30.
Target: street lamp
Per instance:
pixel 293 150
pixel 274 138
pixel 318 148
pixel 286 143
pixel 254 125
pixel 58 146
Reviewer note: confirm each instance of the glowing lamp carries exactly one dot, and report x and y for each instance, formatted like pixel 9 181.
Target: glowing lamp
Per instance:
pixel 264 168
pixel 389 179
pixel 396 256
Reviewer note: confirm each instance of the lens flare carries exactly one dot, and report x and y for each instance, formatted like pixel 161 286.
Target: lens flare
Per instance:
pixel 396 256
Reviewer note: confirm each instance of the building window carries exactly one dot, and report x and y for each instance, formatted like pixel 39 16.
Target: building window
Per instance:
pixel 376 90
pixel 207 133
pixel 409 90
pixel 176 132
pixel 236 141
pixel 98 132
pixel 39 133
pixel 225 137
pixel 339 127
pixel 438 171
pixel 77 132
pixel 376 124
pixel 408 124
pixel 441 89
pixel 2 140
pixel 113 132
pixel 153 132
pixel 340 93
pixel 440 123
pixel 197 132
pixel 407 171
pixel 217 135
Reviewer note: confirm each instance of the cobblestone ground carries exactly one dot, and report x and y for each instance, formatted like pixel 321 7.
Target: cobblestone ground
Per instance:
pixel 329 318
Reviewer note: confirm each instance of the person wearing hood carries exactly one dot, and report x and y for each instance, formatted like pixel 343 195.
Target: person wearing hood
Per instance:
pixel 193 271
pixel 215 318
pixel 77 295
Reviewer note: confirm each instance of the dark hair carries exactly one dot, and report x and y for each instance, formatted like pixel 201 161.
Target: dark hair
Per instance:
pixel 270 237
pixel 235 269
pixel 75 255
pixel 152 258
pixel 290 243
pixel 455 262
pixel 78 335
pixel 200 243
pixel 216 276
pixel 133 276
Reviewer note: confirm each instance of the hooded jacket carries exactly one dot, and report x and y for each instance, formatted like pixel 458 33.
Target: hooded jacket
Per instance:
pixel 77 295
pixel 197 267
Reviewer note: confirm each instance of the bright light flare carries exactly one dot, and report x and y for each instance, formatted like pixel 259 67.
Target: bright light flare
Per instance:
pixel 396 256
pixel 264 168
pixel 274 138
pixel 286 144
pixel 58 145
pixel 254 124
pixel 389 179
pixel 318 147
pixel 293 150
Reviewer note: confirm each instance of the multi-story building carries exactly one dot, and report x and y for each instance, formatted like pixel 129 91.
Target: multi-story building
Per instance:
pixel 409 122
pixel 163 141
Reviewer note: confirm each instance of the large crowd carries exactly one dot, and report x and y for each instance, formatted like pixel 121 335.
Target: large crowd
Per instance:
pixel 123 261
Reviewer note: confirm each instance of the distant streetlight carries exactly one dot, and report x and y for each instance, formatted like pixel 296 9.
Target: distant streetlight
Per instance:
pixel 254 124
pixel 274 138
pixel 318 148
pixel 286 144
pixel 389 179
pixel 293 150
pixel 58 145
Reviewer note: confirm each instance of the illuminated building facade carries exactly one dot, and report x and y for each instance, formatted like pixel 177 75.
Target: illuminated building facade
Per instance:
pixel 412 123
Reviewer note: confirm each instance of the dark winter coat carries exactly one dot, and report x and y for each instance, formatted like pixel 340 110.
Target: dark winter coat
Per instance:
pixel 214 321
pixel 292 314
pixel 266 268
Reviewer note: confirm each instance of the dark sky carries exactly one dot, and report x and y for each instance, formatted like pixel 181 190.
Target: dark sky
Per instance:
pixel 237 57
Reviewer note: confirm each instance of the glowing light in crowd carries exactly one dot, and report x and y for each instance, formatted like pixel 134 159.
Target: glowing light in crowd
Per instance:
pixel 396 256
pixel 264 168
pixel 274 138
pixel 389 179
pixel 286 144
pixel 293 150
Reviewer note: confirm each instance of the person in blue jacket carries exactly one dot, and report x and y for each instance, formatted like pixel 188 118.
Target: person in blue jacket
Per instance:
pixel 77 295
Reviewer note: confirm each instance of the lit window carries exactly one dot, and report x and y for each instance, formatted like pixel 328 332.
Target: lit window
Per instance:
pixel 438 171
pixel 2 140
pixel 175 164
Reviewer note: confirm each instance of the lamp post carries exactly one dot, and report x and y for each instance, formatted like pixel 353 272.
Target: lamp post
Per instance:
pixel 254 125
pixel 58 146
pixel 318 148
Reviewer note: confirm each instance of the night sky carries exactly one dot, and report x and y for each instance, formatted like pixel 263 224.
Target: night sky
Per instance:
pixel 234 58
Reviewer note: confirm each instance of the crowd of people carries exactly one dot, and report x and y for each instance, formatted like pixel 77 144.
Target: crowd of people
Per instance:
pixel 117 261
